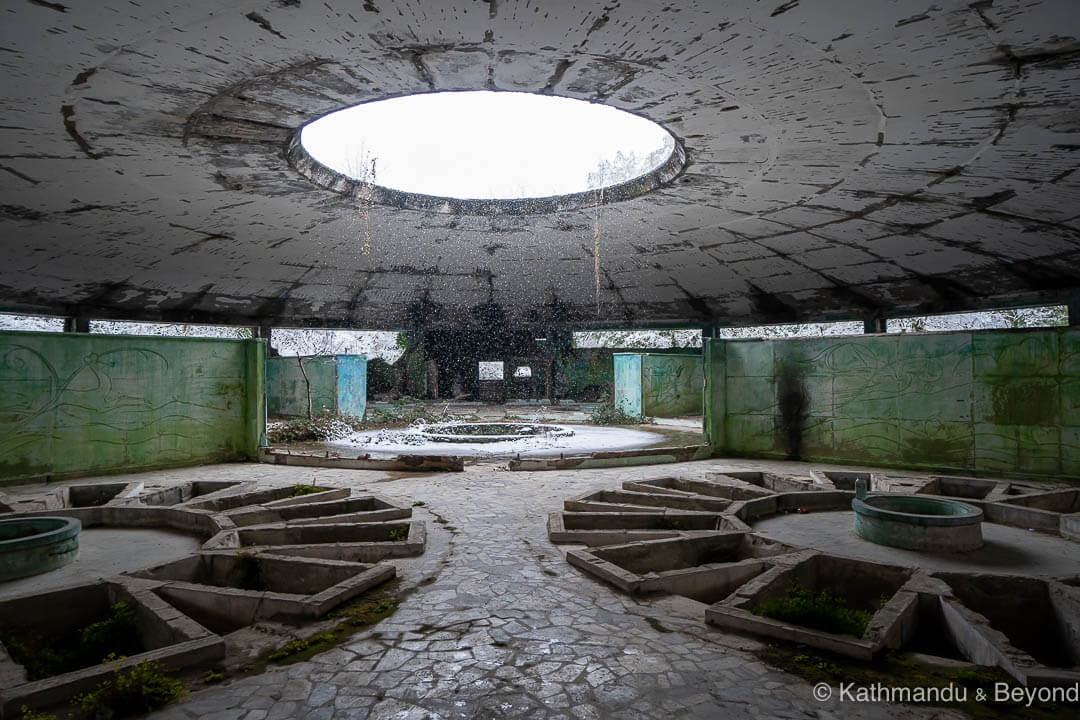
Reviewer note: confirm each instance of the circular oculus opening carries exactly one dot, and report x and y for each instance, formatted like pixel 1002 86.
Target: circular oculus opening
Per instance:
pixel 486 152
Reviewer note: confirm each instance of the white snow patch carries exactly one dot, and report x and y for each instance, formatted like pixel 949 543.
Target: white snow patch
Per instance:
pixel 370 343
pixel 31 323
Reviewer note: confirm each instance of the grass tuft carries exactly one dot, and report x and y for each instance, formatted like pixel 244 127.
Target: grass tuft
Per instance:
pixel 819 611
pixel 368 609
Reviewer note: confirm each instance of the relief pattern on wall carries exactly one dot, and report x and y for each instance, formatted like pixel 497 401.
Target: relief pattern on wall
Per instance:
pixel 992 400
pixel 671 385
pixel 88 403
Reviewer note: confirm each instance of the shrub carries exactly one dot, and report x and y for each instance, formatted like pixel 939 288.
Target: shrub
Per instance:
pixel 300 490
pixel 380 376
pixel 819 611
pixel 135 690
pixel 607 413
pixel 325 426
pixel 108 633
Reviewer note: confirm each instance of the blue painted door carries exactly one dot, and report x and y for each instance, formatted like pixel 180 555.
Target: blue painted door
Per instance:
pixel 628 382
pixel 352 385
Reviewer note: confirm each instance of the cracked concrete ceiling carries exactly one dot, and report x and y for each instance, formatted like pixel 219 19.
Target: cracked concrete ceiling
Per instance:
pixel 844 159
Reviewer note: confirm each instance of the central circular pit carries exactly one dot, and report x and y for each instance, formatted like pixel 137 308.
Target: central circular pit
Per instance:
pixel 915 522
pixel 491 432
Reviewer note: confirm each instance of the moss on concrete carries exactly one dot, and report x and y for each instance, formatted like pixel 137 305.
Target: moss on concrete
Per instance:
pixel 997 402
pixel 79 404
pixel 895 670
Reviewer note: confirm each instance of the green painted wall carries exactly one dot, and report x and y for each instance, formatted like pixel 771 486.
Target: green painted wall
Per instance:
pixel 671 385
pixel 286 391
pixel 658 384
pixel 338 384
pixel 996 401
pixel 590 370
pixel 77 404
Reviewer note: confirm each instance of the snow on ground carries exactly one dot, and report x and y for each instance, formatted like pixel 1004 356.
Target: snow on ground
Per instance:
pixel 409 441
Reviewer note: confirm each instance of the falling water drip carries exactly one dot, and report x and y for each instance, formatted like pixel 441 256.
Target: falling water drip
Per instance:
pixel 366 204
pixel 596 245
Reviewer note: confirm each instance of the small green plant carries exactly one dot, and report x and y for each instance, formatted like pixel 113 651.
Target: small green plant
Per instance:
pixel 419 503
pixel 44 655
pixel 135 690
pixel 366 610
pixel 655 624
pixel 28 714
pixel 300 489
pixel 213 678
pixel 399 534
pixel 291 649
pixel 107 632
pixel 668 524
pixel 820 611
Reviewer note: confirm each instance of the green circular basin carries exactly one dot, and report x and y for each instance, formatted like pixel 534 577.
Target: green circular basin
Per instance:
pixel 916 522
pixel 33 545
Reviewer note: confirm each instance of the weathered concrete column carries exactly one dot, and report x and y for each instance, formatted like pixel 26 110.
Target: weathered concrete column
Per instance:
pixel 1074 310
pixel 262 332
pixel 874 325
pixel 77 324
pixel 255 397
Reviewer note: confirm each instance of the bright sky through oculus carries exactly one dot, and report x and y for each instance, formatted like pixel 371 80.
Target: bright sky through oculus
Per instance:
pixel 487 145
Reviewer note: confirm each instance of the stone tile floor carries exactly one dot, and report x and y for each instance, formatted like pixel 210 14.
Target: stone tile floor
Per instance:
pixel 508 629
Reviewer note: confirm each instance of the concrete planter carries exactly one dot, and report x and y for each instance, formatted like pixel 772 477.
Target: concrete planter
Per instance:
pixel 918 523
pixel 33 545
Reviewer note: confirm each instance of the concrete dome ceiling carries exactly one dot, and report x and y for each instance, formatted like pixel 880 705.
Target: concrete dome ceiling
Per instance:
pixel 842 162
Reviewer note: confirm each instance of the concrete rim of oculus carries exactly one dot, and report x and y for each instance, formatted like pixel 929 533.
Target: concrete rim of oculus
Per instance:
pixel 486 153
